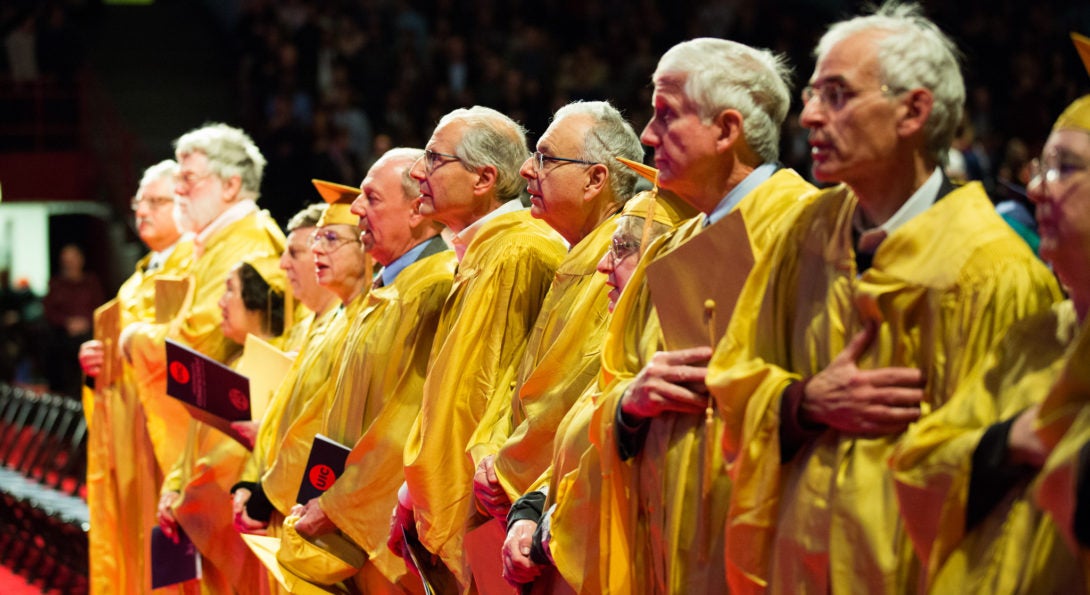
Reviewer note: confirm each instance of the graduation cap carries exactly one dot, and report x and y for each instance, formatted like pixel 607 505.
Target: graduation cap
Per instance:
pixel 339 197
pixel 1077 115
pixel 655 204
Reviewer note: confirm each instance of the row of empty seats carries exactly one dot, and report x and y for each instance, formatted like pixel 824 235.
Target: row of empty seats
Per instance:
pixel 43 513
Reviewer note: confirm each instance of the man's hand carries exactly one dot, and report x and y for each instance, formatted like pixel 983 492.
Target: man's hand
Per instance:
pixel 868 402
pixel 312 520
pixel 165 515
pixel 243 523
pixel 246 432
pixel 91 357
pixel 671 381
pixel 486 487
pixel 1023 445
pixel 518 568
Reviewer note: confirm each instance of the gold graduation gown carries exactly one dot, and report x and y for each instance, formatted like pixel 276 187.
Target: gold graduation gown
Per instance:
pixel 375 400
pixel 932 467
pixel 486 321
pixel 208 463
pixel 309 371
pixel 295 336
pixel 562 359
pixel 197 326
pixel 942 288
pixel 1064 428
pixel 668 535
pixel 122 475
pixel 296 425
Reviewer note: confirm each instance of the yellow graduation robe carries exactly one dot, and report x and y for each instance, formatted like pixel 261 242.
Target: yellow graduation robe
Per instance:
pixel 933 462
pixel 122 475
pixel 667 536
pixel 309 371
pixel 1064 427
pixel 941 288
pixel 486 321
pixel 374 400
pixel 209 462
pixel 562 359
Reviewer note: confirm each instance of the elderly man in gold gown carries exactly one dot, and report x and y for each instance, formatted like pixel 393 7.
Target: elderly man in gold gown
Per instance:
pixel 219 181
pixel 372 394
pixel 877 302
pixel 122 475
pixel 506 261
pixel 718 107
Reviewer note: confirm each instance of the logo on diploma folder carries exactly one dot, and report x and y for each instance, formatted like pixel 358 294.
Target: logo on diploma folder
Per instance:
pixel 324 465
pixel 206 384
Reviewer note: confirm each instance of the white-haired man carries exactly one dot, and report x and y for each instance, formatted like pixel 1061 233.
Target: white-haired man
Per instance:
pixel 879 299
pixel 218 184
pixel 469 181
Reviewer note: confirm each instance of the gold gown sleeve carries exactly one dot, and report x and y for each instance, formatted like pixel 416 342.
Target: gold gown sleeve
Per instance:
pixel 309 371
pixel 1064 428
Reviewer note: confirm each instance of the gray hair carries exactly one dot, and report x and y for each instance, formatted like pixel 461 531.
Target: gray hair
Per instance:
pixel 308 217
pixel 230 152
pixel 409 155
pixel 915 54
pixel 491 138
pixel 719 74
pixel 609 137
pixel 164 169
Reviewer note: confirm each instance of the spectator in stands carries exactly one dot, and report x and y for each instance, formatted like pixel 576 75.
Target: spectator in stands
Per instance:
pixel 73 295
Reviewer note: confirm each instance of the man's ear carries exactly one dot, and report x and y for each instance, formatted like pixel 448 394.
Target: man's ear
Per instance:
pixel 597 180
pixel 916 108
pixel 487 177
pixel 730 126
pixel 415 218
pixel 231 188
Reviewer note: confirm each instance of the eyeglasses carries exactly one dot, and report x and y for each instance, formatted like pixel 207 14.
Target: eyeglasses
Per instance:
pixel 1054 168
pixel 834 94
pixel 153 202
pixel 540 159
pixel 434 159
pixel 189 179
pixel 620 249
pixel 328 240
